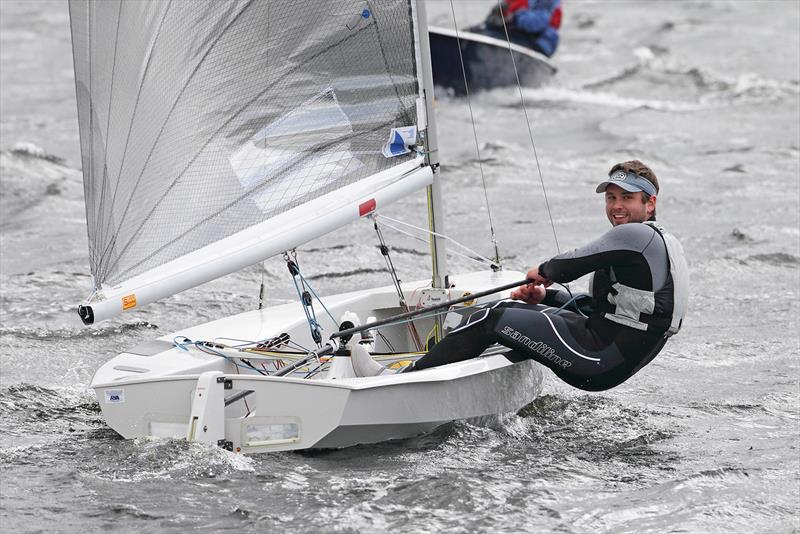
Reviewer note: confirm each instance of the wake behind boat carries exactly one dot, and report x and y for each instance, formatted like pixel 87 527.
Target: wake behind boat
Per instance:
pixel 215 135
pixel 487 61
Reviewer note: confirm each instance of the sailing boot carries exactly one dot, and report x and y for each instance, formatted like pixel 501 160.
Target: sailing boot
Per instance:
pixel 363 364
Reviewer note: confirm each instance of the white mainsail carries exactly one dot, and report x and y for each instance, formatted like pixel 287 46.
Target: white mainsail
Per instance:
pixel 216 134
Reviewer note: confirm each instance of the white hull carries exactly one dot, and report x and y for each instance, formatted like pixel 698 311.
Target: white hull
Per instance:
pixel 160 390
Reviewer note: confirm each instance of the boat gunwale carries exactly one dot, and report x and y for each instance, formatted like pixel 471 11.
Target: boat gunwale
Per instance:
pixel 442 373
pixel 467 35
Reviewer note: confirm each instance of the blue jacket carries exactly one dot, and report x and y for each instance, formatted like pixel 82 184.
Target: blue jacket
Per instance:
pixel 539 23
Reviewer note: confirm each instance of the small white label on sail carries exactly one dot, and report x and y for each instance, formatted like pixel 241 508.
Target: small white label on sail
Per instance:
pixel 400 141
pixel 300 153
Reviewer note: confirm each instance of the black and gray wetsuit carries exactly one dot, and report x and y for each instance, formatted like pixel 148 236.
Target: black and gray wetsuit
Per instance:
pixel 638 299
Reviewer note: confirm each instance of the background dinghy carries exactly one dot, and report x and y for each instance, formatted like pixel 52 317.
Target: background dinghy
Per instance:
pixel 486 61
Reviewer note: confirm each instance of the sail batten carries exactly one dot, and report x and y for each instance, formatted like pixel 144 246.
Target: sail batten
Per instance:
pixel 201 119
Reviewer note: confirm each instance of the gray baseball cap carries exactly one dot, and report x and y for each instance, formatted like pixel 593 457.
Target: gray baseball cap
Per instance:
pixel 629 182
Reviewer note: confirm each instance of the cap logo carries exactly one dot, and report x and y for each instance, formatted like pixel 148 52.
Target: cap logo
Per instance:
pixel 618 176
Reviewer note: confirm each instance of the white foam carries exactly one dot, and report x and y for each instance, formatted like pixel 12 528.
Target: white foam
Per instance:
pixel 600 98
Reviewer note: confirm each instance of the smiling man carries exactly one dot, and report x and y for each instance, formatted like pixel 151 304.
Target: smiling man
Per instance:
pixel 637 300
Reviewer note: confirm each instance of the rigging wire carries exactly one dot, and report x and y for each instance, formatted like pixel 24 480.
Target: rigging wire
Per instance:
pixel 393 272
pixel 385 340
pixel 475 136
pixel 205 346
pixel 477 257
pixel 389 264
pixel 182 342
pixel 483 261
pixel 245 343
pixel 528 124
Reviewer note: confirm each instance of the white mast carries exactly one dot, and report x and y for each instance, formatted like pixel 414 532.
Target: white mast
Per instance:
pixel 435 209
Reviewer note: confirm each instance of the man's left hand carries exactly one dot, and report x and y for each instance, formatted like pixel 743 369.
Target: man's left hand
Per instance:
pixel 534 292
pixel 531 293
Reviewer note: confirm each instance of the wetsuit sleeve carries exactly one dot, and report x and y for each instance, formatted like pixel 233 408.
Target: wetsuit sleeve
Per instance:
pixel 536 18
pixel 556 298
pixel 621 245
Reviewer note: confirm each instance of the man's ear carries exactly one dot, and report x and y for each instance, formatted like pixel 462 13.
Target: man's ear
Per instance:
pixel 651 205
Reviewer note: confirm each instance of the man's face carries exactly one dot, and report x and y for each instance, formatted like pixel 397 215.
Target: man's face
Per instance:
pixel 624 207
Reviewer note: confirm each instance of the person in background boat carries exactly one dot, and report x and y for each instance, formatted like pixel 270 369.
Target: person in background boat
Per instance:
pixel 530 23
pixel 595 341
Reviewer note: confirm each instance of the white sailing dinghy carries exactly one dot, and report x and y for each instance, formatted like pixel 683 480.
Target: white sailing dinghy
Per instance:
pixel 215 135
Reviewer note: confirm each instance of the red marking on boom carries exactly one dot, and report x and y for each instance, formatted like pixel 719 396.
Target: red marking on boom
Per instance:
pixel 366 207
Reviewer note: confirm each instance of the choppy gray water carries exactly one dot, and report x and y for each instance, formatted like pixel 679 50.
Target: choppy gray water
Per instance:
pixel 705 439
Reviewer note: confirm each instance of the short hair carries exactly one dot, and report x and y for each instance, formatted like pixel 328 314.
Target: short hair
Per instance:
pixel 637 167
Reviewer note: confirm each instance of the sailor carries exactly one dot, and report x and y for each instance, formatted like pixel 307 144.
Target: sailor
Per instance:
pixel 530 23
pixel 596 341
